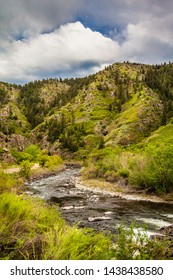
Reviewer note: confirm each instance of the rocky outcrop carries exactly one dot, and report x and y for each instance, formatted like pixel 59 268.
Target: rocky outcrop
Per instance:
pixel 15 141
pixel 18 141
pixel 167 231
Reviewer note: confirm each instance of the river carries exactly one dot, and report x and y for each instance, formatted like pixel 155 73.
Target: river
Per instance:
pixel 98 210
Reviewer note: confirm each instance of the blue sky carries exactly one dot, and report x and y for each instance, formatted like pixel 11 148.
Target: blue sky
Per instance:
pixel 74 38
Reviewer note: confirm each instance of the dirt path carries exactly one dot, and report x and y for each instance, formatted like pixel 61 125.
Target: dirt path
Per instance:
pixel 17 169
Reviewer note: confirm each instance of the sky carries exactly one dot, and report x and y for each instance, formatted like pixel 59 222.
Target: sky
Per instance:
pixel 75 38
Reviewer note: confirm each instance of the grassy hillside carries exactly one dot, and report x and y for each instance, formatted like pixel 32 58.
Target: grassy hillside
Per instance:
pixel 115 108
pixel 12 118
pixel 106 120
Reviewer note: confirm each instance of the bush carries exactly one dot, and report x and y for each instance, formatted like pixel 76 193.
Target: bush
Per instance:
pixel 31 153
pixel 90 172
pixel 123 173
pixel 50 161
pixel 111 176
pixel 154 170
pixel 20 156
pixel 104 164
pixel 25 169
pixel 34 151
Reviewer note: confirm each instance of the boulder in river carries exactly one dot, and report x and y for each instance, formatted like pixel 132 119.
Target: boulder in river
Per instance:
pixel 108 213
pixel 101 218
pixel 67 207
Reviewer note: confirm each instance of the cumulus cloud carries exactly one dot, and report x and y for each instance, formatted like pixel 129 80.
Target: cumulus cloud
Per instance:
pixel 72 46
pixel 150 41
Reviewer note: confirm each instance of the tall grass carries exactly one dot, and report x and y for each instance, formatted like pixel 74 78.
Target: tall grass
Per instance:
pixel 31 230
pixel 8 182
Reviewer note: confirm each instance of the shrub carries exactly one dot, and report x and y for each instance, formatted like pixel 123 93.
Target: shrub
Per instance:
pixel 20 156
pixel 31 153
pixel 154 170
pixel 34 151
pixel 123 173
pixel 25 169
pixel 90 172
pixel 111 176
pixel 50 161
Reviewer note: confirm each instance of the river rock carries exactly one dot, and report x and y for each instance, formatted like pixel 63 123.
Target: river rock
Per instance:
pixel 95 219
pixel 157 236
pixel 167 231
pixel 164 233
pixel 67 207
pixel 28 193
pixel 79 207
pixel 73 165
pixel 108 213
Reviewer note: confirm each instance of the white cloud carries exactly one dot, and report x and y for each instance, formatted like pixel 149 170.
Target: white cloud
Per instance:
pixel 150 41
pixel 65 49
pixel 75 50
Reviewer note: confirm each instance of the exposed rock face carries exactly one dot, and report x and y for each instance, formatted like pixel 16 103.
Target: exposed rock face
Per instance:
pixel 16 141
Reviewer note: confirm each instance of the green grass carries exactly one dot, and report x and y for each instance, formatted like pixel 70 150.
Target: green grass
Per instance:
pixel 8 182
pixel 163 135
pixel 36 231
pixel 139 117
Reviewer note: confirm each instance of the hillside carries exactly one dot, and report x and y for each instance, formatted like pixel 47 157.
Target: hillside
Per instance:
pixel 109 120
pixel 116 107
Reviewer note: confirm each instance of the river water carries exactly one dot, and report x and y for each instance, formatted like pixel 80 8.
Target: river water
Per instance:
pixel 97 210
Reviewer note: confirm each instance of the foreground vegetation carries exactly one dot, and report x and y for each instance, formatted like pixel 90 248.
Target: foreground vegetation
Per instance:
pixel 31 229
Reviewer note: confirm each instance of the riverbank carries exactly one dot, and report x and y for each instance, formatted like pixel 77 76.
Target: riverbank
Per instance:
pixel 129 193
pixel 41 172
pixel 122 190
